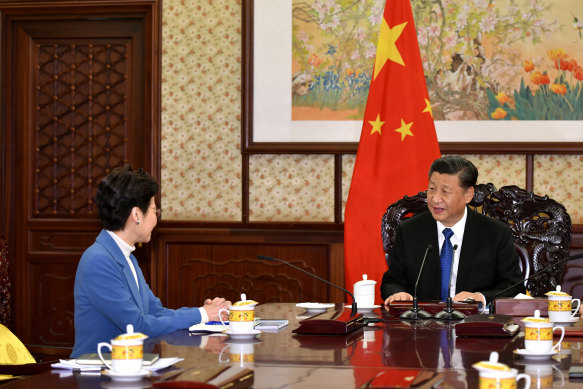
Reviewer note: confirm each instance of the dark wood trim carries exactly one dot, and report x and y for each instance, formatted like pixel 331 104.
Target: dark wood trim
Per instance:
pixel 337 188
pixel 529 172
pixel 245 188
pixel 512 148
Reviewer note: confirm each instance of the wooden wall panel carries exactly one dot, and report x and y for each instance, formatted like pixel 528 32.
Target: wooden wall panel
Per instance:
pixel 192 265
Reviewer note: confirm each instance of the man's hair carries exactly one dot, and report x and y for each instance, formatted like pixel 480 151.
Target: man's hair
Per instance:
pixel 453 164
pixel 120 191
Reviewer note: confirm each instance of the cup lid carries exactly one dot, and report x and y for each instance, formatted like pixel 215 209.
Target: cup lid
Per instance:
pixel 130 334
pixel 492 364
pixel 365 281
pixel 244 302
pixel 536 318
pixel 557 292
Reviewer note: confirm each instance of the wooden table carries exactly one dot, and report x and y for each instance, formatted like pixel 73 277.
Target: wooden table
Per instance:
pixel 287 360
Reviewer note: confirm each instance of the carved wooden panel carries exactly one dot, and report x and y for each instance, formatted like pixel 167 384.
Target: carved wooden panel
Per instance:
pixel 51 300
pixel 193 264
pixel 199 271
pixel 80 121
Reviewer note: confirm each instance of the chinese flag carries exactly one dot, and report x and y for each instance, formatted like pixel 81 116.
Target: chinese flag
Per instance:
pixel 397 143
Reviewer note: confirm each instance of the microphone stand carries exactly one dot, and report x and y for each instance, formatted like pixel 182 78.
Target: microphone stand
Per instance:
pixel 544 269
pixel 448 312
pixel 353 312
pixel 415 313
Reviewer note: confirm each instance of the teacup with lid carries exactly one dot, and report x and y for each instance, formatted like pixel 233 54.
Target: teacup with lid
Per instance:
pixel 538 334
pixel 241 315
pixel 127 352
pixel 364 292
pixel 561 306
pixel 494 374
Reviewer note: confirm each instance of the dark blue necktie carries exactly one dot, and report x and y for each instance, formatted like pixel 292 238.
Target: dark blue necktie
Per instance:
pixel 446 259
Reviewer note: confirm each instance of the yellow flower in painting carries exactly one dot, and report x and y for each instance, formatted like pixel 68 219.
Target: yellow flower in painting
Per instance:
pixel 503 98
pixel 528 66
pixel 499 113
pixel 556 54
pixel 559 89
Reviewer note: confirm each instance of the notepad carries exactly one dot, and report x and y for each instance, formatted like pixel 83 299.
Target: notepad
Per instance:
pixel 271 324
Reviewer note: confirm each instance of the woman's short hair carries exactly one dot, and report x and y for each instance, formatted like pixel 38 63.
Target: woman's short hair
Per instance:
pixel 122 190
pixel 453 164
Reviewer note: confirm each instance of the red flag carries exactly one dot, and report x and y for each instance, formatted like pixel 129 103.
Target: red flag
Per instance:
pixel 397 143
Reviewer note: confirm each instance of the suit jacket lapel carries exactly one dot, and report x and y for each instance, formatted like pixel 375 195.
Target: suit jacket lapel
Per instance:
pixel 118 256
pixel 469 246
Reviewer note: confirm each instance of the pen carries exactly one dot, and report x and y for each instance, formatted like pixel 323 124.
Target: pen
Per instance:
pixel 215 323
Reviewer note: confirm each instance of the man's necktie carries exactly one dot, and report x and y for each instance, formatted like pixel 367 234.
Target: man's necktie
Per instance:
pixel 446 259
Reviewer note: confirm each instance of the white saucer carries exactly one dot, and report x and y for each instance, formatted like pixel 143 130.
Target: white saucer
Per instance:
pixel 530 355
pixel 566 323
pixel 313 307
pixel 243 335
pixel 363 309
pixel 125 377
pixel 142 384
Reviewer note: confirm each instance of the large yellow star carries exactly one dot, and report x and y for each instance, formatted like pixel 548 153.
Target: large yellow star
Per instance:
pixel 387 46
pixel 428 107
pixel 405 129
pixel 376 125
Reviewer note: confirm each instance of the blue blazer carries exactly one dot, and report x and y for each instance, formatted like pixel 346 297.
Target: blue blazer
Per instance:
pixel 107 299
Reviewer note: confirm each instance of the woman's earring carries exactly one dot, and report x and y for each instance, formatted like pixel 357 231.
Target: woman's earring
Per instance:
pixel 138 221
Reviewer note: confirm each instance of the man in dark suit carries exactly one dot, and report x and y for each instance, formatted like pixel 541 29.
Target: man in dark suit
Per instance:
pixel 482 256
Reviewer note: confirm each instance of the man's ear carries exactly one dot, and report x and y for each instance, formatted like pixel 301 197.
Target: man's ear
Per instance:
pixel 469 194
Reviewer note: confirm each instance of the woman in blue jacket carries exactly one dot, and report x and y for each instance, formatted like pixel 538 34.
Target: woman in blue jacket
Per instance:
pixel 110 289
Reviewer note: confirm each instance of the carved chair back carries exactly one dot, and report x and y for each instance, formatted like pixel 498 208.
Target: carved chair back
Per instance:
pixel 540 226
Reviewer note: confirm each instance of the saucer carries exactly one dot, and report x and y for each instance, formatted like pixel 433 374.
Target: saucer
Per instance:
pixel 530 355
pixel 246 340
pixel 142 384
pixel 243 335
pixel 363 309
pixel 315 307
pixel 567 323
pixel 125 377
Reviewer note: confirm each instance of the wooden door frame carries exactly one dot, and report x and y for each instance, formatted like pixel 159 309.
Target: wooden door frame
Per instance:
pixel 150 12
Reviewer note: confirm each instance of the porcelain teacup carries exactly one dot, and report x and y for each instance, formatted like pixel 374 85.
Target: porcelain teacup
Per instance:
pixel 538 334
pixel 498 375
pixel 241 316
pixel 364 292
pixel 561 306
pixel 127 352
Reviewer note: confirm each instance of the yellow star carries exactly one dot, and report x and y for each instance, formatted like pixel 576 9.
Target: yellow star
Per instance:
pixel 428 107
pixel 405 129
pixel 376 125
pixel 387 46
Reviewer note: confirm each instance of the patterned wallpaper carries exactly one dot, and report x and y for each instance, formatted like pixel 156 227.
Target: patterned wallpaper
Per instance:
pixel 201 135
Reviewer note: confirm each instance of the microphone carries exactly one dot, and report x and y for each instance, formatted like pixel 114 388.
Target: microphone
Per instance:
pixel 266 258
pixel 544 269
pixel 416 313
pixel 448 313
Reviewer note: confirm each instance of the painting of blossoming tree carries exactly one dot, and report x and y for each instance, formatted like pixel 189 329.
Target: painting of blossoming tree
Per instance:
pixel 483 59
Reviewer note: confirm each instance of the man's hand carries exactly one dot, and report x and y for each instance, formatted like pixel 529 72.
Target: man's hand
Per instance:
pixel 213 306
pixel 477 297
pixel 401 296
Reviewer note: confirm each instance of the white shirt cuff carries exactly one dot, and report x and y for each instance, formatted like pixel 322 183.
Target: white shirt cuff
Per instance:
pixel 203 316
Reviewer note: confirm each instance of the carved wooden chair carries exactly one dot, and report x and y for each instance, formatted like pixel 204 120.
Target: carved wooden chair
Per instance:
pixel 541 228
pixel 4 283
